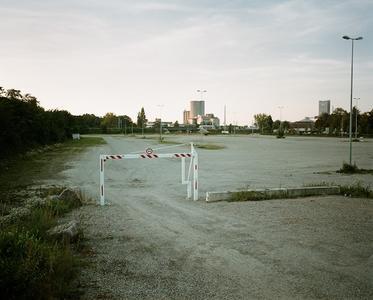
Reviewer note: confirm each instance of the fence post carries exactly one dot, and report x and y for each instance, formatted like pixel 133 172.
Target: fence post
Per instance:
pixel 195 175
pixel 102 180
pixel 183 170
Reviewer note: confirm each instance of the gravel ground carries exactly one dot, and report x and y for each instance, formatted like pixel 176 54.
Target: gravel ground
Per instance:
pixel 152 243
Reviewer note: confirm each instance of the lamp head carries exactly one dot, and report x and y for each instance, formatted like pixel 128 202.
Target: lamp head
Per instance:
pixel 346 37
pixel 359 38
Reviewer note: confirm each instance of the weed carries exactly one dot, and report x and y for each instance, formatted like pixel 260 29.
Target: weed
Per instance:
pixel 353 169
pixel 34 265
pixel 257 195
pixel 32 268
pixel 357 190
pixel 347 168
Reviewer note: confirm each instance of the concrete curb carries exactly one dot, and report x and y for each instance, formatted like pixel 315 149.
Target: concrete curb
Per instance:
pixel 290 192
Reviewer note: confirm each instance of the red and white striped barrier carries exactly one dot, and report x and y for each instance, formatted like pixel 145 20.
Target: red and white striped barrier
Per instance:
pixel 133 156
pixel 149 155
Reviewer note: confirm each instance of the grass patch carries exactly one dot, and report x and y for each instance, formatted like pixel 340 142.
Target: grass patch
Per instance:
pixel 353 169
pixel 32 264
pixel 357 190
pixel 209 146
pixel 84 142
pixel 257 196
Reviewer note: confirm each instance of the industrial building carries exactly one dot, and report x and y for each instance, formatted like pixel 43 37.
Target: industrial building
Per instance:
pixel 196 115
pixel 186 116
pixel 197 108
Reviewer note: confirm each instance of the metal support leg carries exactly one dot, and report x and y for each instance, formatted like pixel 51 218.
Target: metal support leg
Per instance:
pixel 102 179
pixel 183 170
pixel 195 176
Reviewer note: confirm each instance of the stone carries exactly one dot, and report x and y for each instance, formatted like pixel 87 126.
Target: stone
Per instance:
pixel 67 232
pixel 70 197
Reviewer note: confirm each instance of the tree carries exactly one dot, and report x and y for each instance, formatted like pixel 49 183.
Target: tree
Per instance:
pixel 286 125
pixel 141 118
pixel 30 99
pixel 276 125
pixel 176 124
pixel 264 122
pixel 110 120
pixel 24 124
pixel 322 122
pixel 366 123
pixel 13 94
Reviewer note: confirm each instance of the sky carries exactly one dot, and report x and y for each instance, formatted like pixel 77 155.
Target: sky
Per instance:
pixel 92 56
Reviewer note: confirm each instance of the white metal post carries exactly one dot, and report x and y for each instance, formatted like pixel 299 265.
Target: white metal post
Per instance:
pixel 102 180
pixel 195 176
pixel 189 180
pixel 183 170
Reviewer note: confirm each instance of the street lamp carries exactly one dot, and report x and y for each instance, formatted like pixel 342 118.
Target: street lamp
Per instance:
pixel 201 92
pixel 352 80
pixel 357 99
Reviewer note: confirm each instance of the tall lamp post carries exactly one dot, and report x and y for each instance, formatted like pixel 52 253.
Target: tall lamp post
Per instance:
pixel 201 93
pixel 352 80
pixel 356 111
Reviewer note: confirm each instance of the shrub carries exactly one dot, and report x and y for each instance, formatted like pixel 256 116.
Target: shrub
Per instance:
pixel 31 268
pixel 349 169
pixel 34 265
pixel 357 190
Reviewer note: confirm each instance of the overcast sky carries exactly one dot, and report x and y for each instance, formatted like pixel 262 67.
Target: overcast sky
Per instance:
pixel 91 56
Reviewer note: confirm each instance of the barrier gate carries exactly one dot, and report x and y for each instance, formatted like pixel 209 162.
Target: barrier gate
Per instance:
pixel 193 156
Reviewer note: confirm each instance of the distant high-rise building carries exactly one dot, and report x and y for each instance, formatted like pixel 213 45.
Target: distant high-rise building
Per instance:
pixel 186 116
pixel 324 107
pixel 197 108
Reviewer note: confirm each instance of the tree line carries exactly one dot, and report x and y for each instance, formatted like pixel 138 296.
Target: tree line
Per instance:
pixel 339 122
pixel 336 123
pixel 24 124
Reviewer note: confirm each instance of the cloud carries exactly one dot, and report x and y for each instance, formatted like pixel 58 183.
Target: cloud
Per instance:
pixel 162 51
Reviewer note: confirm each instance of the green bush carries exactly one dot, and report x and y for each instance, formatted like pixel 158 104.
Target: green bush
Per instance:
pixel 349 169
pixel 34 265
pixel 31 268
pixel 353 169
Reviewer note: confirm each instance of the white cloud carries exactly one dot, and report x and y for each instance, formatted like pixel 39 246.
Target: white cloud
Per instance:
pixel 121 55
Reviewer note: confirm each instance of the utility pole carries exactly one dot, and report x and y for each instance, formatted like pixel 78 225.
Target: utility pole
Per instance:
pixel 356 112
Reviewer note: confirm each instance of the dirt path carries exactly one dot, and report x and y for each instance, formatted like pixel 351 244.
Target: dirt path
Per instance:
pixel 151 242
